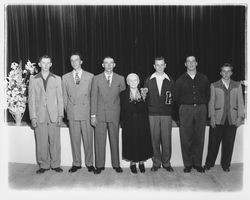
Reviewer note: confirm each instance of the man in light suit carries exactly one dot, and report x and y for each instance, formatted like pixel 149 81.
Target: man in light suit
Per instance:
pixel 76 96
pixel 46 113
pixel 105 113
pixel 226 111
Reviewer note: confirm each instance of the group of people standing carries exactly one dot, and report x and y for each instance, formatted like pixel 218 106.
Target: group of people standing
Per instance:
pixel 97 105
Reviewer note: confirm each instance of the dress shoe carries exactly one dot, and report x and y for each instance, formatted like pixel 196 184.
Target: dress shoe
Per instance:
pixel 133 169
pixel 142 168
pixel 57 169
pixel 199 169
pixel 187 169
pixel 169 169
pixel 118 169
pixel 154 169
pixel 206 167
pixel 226 169
pixel 91 168
pixel 41 171
pixel 74 168
pixel 98 170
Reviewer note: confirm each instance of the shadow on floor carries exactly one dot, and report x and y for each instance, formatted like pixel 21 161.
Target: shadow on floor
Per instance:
pixel 23 176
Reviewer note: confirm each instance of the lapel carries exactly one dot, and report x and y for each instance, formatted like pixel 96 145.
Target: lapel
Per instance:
pixel 49 83
pixel 163 86
pixel 114 80
pixel 72 81
pixel 81 85
pixel 155 88
pixel 40 84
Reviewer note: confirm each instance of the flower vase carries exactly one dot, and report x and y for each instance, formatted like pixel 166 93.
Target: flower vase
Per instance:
pixel 18 118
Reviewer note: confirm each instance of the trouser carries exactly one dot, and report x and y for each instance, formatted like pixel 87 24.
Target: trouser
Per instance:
pixel 81 129
pixel 100 143
pixel 224 134
pixel 160 128
pixel 48 145
pixel 192 133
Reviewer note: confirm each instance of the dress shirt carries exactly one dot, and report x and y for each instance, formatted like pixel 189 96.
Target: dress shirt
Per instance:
pixel 79 74
pixel 159 80
pixel 110 77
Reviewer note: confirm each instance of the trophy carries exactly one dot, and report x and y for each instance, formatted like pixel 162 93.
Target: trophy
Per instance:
pixel 168 98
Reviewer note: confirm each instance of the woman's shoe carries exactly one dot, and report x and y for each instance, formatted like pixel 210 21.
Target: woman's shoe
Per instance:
pixel 133 169
pixel 142 168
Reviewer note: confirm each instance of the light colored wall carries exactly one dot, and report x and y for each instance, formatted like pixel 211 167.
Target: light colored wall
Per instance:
pixel 22 147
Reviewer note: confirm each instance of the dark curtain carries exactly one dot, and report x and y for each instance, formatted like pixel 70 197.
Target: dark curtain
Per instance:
pixel 132 35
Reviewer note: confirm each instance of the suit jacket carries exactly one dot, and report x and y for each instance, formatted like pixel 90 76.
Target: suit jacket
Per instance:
pixel 40 100
pixel 217 101
pixel 76 98
pixel 105 100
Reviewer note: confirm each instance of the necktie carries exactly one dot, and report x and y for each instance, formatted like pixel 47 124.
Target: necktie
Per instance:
pixel 108 80
pixel 77 79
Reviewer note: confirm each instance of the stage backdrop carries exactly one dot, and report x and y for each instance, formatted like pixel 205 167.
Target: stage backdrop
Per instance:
pixel 132 35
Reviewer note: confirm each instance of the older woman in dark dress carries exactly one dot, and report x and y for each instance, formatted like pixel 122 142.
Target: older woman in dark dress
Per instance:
pixel 136 139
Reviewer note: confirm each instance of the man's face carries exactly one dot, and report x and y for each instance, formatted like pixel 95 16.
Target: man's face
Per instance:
pixel 191 63
pixel 108 64
pixel 226 73
pixel 159 66
pixel 75 62
pixel 45 64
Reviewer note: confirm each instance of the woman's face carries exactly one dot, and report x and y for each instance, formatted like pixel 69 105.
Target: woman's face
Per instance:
pixel 133 82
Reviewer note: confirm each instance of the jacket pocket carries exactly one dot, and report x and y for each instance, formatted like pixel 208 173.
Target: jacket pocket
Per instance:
pixel 217 109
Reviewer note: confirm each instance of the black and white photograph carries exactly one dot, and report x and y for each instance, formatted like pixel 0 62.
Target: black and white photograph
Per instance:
pixel 124 99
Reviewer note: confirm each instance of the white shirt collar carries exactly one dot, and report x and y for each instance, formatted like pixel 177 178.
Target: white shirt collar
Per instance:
pixel 164 75
pixel 225 83
pixel 79 73
pixel 106 75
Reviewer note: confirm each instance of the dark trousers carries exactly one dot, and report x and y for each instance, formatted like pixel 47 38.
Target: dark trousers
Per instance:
pixel 192 132
pixel 224 134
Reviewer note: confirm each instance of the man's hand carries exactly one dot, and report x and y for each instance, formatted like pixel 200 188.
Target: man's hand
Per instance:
pixel 34 123
pixel 59 121
pixel 93 121
pixel 239 121
pixel 212 122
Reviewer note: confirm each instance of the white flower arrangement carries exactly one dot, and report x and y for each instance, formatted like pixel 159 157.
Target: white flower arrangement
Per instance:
pixel 17 82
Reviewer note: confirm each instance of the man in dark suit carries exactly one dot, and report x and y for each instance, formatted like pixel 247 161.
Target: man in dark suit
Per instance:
pixel 76 96
pixel 159 99
pixel 105 113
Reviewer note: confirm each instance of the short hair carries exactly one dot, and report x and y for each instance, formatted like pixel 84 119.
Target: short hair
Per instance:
pixel 76 53
pixel 132 74
pixel 190 55
pixel 227 65
pixel 45 56
pixel 159 58
pixel 107 57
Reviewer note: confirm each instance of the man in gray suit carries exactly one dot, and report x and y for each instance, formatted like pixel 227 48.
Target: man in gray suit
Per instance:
pixel 76 96
pixel 105 113
pixel 46 113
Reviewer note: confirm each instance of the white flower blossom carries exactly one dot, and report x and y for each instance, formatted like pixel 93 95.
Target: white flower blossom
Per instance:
pixel 16 86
